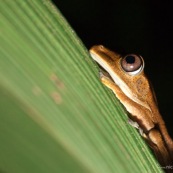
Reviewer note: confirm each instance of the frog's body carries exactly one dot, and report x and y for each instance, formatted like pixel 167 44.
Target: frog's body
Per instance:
pixel 129 83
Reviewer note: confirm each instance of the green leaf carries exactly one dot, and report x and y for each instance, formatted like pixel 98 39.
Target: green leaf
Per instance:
pixel 55 115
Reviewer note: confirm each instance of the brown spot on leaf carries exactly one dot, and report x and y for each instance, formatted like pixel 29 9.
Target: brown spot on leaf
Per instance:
pixel 57 81
pixel 56 97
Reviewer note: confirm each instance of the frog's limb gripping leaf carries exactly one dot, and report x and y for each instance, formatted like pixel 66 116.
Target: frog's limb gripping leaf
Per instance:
pixel 159 148
pixel 136 125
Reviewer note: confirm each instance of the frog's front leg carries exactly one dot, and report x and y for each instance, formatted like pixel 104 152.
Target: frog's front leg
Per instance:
pixel 131 106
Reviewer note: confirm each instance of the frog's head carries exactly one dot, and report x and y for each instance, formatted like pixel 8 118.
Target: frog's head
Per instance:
pixel 126 71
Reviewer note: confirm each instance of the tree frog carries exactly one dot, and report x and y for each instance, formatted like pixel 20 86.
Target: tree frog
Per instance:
pixel 125 77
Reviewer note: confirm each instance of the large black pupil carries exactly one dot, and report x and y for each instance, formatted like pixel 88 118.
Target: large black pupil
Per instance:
pixel 130 59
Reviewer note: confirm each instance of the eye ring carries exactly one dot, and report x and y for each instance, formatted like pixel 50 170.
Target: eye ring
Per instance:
pixel 132 64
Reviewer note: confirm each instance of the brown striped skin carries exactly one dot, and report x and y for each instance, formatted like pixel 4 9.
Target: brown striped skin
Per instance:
pixel 136 94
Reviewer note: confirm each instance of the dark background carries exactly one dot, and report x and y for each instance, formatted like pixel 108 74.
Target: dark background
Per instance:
pixel 131 26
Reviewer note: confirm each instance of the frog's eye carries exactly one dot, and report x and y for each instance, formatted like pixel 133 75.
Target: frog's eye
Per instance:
pixel 132 64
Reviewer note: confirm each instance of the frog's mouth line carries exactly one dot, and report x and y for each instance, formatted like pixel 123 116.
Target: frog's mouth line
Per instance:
pixel 104 65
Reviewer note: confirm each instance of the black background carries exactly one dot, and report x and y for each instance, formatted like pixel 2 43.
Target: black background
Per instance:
pixel 131 26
